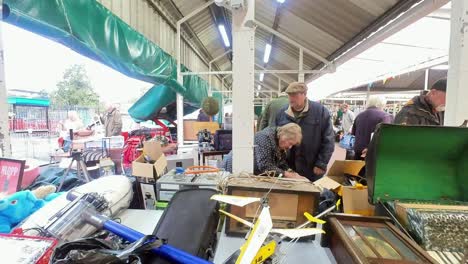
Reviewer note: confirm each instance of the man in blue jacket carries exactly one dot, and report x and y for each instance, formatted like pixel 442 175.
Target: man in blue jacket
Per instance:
pixel 311 158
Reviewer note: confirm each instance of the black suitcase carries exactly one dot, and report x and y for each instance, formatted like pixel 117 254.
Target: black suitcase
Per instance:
pixel 223 140
pixel 189 223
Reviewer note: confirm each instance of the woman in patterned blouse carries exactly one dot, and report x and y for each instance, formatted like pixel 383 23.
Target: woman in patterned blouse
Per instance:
pixel 271 145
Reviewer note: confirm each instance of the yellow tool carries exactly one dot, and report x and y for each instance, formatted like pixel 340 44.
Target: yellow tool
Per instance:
pixel 338 203
pixel 313 219
pixel 265 252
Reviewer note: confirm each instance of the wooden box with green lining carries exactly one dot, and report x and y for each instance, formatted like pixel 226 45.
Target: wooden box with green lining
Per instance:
pixel 412 165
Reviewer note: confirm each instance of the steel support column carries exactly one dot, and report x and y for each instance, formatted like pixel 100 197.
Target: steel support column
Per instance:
pixel 180 78
pixel 5 143
pixel 426 79
pixel 457 90
pixel 243 75
pixel 300 77
pixel 279 86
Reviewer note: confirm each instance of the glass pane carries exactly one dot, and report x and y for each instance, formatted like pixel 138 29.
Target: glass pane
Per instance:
pixel 407 252
pixel 359 242
pixel 378 243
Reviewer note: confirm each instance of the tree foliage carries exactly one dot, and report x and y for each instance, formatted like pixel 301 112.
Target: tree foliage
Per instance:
pixel 75 89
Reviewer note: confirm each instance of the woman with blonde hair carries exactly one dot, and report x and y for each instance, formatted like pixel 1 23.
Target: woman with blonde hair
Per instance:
pixel 271 146
pixel 73 122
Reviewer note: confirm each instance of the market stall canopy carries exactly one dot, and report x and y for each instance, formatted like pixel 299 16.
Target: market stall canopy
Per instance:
pixel 90 29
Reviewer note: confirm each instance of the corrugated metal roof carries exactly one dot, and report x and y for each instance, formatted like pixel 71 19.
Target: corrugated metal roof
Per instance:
pixel 405 82
pixel 322 26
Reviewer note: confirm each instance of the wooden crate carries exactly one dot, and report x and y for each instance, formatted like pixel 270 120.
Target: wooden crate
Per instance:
pixel 288 200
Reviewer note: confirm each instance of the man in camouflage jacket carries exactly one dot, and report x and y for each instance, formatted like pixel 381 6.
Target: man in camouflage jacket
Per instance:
pixel 425 109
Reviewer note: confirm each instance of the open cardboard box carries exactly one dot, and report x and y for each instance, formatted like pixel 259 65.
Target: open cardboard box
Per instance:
pixel 355 199
pixel 154 150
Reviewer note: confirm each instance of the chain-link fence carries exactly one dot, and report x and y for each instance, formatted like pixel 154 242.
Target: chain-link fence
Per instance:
pixel 34 130
pixel 38 119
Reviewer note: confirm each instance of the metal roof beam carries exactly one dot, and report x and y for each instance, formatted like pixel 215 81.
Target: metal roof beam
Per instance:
pixel 266 86
pixel 163 13
pixel 402 14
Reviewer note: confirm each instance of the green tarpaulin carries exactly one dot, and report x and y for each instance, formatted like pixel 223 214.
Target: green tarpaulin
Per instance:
pixel 92 30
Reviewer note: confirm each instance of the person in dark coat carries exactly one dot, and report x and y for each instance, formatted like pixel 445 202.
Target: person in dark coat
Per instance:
pixel 425 109
pixel 311 158
pixel 203 117
pixel 270 149
pixel 366 122
pixel 112 121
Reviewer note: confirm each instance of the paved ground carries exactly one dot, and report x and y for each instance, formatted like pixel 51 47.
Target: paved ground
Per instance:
pixel 35 147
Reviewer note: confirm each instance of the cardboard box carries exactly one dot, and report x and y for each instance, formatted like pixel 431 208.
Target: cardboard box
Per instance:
pixel 335 175
pixel 355 199
pixel 142 169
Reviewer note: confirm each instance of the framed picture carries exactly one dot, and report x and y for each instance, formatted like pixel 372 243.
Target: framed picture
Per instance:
pixel 149 195
pixel 11 176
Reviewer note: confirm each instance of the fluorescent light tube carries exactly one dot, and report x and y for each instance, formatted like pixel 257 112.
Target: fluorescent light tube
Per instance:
pixel 222 30
pixel 266 55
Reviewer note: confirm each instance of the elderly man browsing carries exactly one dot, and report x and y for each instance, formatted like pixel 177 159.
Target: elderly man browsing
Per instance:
pixel 311 157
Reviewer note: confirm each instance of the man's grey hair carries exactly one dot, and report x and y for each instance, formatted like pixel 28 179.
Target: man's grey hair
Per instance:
pixel 378 101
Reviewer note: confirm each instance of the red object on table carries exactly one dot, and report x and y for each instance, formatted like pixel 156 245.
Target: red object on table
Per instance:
pixel 31 171
pixel 45 257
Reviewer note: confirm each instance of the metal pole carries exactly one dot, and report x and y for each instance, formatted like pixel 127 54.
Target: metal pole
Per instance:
pixel 426 80
pixel 270 89
pixel 263 68
pixel 207 73
pixel 209 69
pixel 243 75
pixel 293 71
pixel 5 143
pixel 209 80
pixel 256 71
pixel 300 77
pixel 179 97
pixel 368 93
pixel 457 91
pixel 180 79
pixel 279 85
